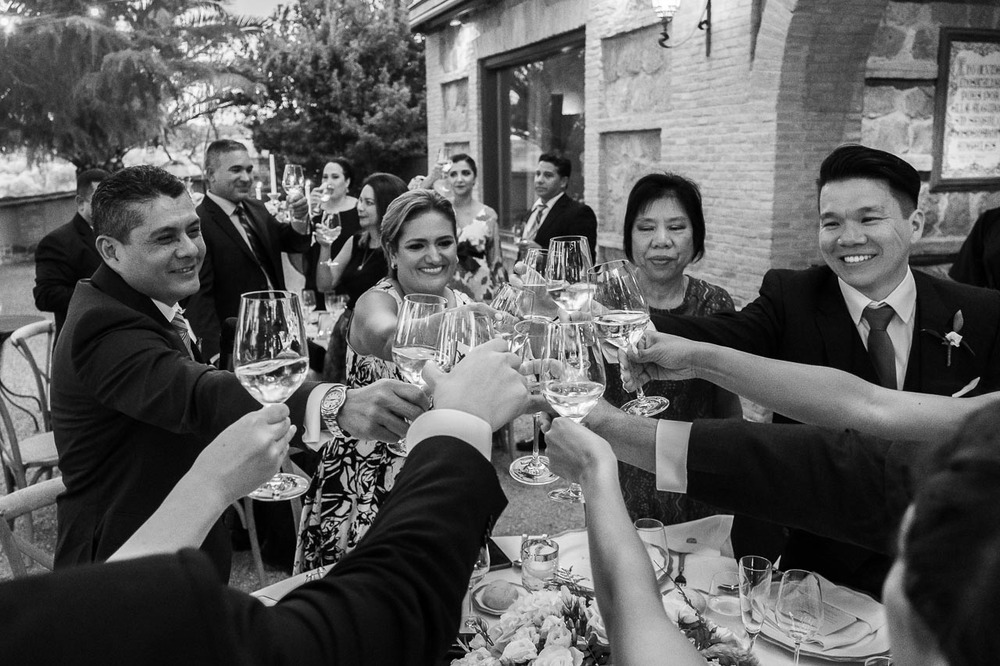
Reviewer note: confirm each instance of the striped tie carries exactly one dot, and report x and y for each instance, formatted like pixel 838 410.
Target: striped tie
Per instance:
pixel 534 223
pixel 254 240
pixel 180 325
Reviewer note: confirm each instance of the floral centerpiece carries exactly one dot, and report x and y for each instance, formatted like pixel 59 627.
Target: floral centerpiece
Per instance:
pixel 565 628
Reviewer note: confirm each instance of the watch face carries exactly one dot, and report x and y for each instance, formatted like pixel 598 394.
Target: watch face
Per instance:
pixel 330 409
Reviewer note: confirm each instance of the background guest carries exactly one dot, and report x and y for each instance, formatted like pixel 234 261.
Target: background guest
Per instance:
pixel 333 208
pixel 354 477
pixel 665 232
pixel 67 254
pixel 243 242
pixel 359 265
pixel 978 262
pixel 554 213
pixel 480 264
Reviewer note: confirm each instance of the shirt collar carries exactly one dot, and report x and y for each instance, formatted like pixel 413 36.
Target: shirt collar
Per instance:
pixel 169 312
pixel 903 299
pixel 549 203
pixel 227 206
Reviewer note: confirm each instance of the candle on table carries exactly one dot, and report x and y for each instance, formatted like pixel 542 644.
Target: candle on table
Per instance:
pixel 260 186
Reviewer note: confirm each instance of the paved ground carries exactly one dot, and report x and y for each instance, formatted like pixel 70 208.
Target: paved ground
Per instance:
pixel 529 510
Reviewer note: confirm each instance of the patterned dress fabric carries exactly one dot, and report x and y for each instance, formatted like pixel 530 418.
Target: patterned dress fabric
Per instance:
pixel 689 399
pixel 475 277
pixel 354 476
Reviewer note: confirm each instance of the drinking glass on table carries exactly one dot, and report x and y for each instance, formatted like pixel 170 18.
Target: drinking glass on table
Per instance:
pixel 755 591
pixel 725 593
pixel 566 272
pixel 539 561
pixel 529 343
pixel 799 608
pixel 621 315
pixel 270 359
pixel 650 531
pixel 418 328
pixel 335 304
pixel 479 571
pixel 572 380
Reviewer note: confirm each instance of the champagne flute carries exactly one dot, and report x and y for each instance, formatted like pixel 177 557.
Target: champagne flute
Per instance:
pixel 755 591
pixel 479 571
pixel 799 608
pixel 529 342
pixel 621 315
pixel 417 330
pixel 270 359
pixel 650 531
pixel 572 380
pixel 566 272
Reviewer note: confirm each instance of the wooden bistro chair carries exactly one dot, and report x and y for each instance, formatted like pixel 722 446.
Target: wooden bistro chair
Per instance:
pixel 40 366
pixel 27 460
pixel 20 503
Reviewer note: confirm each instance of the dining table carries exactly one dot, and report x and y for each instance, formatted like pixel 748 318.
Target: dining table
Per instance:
pixel 708 551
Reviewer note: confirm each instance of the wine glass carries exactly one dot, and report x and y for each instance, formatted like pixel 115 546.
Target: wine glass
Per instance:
pixel 755 590
pixel 572 380
pixel 292 179
pixel 479 571
pixel 566 272
pixel 308 303
pixel 417 333
pixel 417 330
pixel 270 359
pixel 461 330
pixel 536 262
pixel 511 304
pixel 328 229
pixel 799 609
pixel 528 341
pixel 621 315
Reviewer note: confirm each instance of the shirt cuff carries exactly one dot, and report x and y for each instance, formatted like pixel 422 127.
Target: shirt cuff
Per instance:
pixel 313 434
pixel 672 439
pixel 453 423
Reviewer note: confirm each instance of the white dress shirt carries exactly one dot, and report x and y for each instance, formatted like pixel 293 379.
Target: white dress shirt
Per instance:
pixel 534 225
pixel 903 301
pixel 169 312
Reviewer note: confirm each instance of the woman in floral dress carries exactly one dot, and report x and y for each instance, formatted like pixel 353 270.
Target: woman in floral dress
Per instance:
pixel 354 476
pixel 480 261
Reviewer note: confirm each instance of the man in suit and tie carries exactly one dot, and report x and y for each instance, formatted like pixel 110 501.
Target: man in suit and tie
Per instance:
pixel 864 312
pixel 132 403
pixel 67 254
pixel 243 242
pixel 554 213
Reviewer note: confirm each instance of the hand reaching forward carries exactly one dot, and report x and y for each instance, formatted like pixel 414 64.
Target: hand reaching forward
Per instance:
pixel 577 454
pixel 486 383
pixel 382 410
pixel 657 356
pixel 247 453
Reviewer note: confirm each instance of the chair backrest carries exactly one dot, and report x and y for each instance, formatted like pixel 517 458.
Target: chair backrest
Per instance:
pixel 11 463
pixel 19 339
pixel 17 504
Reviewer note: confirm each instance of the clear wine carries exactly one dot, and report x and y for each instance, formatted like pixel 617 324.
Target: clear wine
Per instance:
pixel 573 399
pixel 622 328
pixel 273 380
pixel 411 362
pixel 573 297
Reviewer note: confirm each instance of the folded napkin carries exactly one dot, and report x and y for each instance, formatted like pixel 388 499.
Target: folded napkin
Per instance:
pixel 708 547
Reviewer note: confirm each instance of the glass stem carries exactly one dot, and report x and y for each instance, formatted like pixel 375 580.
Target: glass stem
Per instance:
pixel 536 428
pixel 469 612
pixel 798 647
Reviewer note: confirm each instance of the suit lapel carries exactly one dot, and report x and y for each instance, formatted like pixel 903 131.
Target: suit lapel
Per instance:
pixel 253 214
pixel 555 213
pixel 225 223
pixel 927 365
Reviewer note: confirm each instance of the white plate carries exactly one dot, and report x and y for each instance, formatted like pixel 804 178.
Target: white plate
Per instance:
pixel 480 605
pixel 574 554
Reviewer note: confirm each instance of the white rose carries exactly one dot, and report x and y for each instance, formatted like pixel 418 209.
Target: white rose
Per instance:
pixel 954 338
pixel 557 655
pixel 559 636
pixel 519 651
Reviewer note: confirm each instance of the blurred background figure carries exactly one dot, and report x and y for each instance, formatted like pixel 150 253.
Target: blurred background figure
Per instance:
pixel 978 262
pixel 334 221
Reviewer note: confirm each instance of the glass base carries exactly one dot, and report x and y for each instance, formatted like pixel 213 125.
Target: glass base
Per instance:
pixel 532 471
pixel 571 494
pixel 398 448
pixel 280 487
pixel 646 405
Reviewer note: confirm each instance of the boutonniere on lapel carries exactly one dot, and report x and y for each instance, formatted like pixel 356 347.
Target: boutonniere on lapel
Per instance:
pixel 952 338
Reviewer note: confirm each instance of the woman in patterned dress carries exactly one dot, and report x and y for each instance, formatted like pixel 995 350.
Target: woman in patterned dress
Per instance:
pixel 664 233
pixel 354 476
pixel 480 261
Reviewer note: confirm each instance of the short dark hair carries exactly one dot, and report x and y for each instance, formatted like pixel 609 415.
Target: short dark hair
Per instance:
pixel 345 166
pixel 465 157
pixel 952 549
pixel 404 208
pixel 655 186
pixel 117 199
pixel 856 161
pixel 87 179
pixel 563 166
pixel 220 147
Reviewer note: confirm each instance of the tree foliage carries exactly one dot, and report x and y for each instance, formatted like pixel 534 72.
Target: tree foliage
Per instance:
pixel 89 88
pixel 342 77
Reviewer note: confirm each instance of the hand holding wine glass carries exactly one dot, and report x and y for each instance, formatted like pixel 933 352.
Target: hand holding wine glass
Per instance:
pixel 270 359
pixel 799 608
pixel 528 342
pixel 418 328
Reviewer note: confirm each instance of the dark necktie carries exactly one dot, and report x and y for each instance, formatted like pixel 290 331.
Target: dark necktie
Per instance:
pixel 254 241
pixel 880 348
pixel 534 222
pixel 180 325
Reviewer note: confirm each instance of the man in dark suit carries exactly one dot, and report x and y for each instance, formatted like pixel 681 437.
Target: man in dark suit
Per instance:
pixel 243 242
pixel 833 315
pixel 132 405
pixel 978 262
pixel 67 254
pixel 554 213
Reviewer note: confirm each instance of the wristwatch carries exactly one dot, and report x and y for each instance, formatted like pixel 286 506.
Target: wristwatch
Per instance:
pixel 329 410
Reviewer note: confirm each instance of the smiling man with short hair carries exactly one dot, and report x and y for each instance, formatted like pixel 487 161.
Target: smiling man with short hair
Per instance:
pixel 555 213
